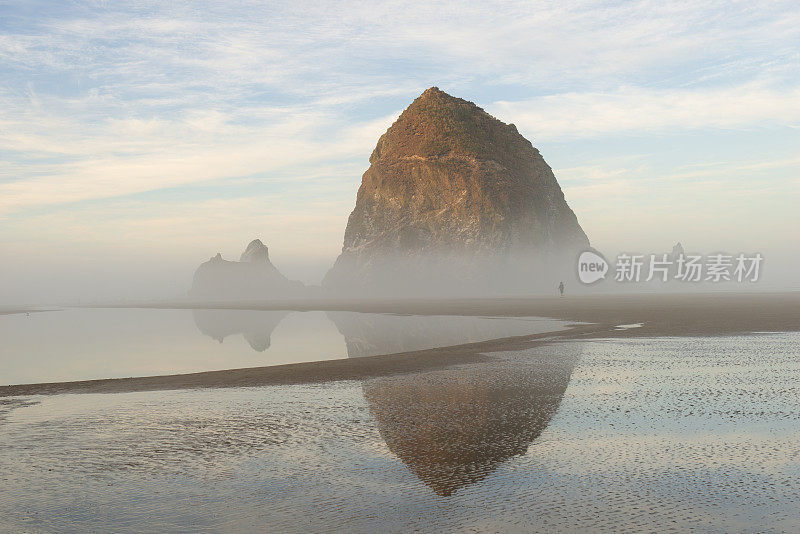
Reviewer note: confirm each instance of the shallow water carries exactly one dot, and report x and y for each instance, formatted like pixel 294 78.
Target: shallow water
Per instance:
pixel 86 344
pixel 634 435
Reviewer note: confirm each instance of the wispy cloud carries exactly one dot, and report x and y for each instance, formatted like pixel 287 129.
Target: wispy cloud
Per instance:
pixel 151 95
pixel 68 162
pixel 100 103
pixel 638 110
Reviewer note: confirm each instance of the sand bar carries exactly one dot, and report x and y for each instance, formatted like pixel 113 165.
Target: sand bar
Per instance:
pixel 661 315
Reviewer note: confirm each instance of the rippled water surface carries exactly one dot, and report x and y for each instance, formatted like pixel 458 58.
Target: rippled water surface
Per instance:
pixel 673 434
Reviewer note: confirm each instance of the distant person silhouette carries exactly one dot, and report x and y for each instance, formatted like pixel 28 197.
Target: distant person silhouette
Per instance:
pixel 561 289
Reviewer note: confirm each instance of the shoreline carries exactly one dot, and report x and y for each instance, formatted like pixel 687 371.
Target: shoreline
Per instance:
pixel 660 315
pixel 663 314
pixel 12 311
pixel 359 368
pixel 17 311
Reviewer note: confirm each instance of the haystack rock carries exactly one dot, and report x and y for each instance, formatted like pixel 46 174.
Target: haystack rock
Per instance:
pixel 252 277
pixel 455 200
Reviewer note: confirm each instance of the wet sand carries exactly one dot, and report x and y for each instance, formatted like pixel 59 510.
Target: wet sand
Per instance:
pixel 686 314
pixel 12 311
pixel 615 435
pixel 660 315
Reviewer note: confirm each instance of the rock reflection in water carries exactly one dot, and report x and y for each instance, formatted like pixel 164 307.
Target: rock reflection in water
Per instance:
pixel 255 326
pixel 371 334
pixel 452 427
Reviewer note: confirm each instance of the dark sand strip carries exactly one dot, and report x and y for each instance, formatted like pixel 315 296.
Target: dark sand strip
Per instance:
pixel 662 315
pixel 304 373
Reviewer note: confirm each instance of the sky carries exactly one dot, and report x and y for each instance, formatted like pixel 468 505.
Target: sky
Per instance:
pixel 138 139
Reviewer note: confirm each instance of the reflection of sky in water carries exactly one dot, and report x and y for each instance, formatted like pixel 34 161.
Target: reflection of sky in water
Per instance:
pixel 615 435
pixel 370 334
pixel 99 343
pixel 81 344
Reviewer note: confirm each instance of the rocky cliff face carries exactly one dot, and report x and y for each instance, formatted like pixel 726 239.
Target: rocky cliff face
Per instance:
pixel 455 198
pixel 253 277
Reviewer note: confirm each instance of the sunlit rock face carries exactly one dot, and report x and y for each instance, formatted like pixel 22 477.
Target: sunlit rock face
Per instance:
pixel 253 277
pixel 454 199
pixel 255 326
pixel 452 428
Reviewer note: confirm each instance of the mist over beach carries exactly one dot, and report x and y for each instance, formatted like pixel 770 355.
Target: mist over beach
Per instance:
pixel 399 267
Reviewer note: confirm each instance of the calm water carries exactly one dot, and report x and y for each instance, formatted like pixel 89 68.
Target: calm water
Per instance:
pixel 84 344
pixel 674 434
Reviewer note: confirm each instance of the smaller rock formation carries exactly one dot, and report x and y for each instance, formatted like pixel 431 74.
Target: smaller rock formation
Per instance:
pixel 256 252
pixel 677 256
pixel 255 326
pixel 252 277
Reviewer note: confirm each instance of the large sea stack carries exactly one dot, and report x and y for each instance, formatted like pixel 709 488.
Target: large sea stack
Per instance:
pixel 456 201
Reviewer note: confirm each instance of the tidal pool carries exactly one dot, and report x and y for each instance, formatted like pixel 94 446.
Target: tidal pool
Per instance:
pixel 87 344
pixel 622 435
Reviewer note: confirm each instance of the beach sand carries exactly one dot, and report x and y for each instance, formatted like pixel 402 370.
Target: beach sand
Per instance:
pixel 659 314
